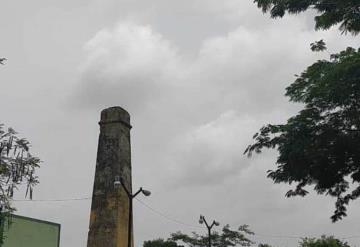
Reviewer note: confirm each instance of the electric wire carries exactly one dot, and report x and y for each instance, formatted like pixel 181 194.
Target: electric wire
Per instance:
pixel 277 236
pixel 88 198
pixel 52 200
pixel 165 216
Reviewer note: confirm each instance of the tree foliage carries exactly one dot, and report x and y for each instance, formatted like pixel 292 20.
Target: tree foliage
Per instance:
pixel 17 166
pixel 318 45
pixel 160 243
pixel 324 241
pixel 264 245
pixel 320 146
pixel 226 238
pixel 330 12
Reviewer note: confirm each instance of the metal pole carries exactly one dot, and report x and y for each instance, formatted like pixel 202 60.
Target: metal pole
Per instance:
pixel 209 231
pixel 130 220
pixel 131 197
pixel 209 234
pixel 214 223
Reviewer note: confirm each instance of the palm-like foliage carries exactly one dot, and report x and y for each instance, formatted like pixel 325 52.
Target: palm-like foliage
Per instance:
pixel 17 166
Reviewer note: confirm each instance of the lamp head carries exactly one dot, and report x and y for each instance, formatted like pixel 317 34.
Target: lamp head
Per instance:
pixel 216 223
pixel 146 192
pixel 201 220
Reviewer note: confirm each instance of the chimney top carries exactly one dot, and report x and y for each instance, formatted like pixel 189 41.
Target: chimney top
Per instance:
pixel 115 114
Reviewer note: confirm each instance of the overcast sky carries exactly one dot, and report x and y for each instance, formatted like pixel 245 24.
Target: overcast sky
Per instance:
pixel 199 78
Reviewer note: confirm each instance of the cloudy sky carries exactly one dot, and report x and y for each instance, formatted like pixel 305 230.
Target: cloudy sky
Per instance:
pixel 198 77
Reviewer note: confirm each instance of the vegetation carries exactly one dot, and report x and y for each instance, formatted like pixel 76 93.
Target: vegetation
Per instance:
pixel 330 12
pixel 264 245
pixel 324 241
pixel 226 238
pixel 320 146
pixel 160 243
pixel 17 167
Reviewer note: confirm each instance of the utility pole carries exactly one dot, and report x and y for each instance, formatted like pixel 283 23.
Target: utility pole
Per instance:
pixel 202 220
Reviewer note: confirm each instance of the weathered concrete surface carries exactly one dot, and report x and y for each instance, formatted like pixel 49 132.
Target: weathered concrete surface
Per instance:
pixel 110 206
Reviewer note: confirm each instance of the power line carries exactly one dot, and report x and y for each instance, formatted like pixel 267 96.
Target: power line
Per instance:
pixel 170 218
pixel 167 217
pixel 277 236
pixel 256 234
pixel 356 236
pixel 54 200
pixel 88 198
pixel 299 237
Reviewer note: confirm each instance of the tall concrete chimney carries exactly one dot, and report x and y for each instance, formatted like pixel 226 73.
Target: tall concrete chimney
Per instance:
pixel 110 206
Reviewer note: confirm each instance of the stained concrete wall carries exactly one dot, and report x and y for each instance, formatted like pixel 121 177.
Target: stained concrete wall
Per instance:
pixel 29 232
pixel 110 206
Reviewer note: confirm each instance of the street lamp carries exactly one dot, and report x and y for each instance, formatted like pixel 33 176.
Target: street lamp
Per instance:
pixel 202 220
pixel 117 184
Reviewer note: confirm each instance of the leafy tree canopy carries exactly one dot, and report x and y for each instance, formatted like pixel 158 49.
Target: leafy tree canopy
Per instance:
pixel 320 146
pixel 264 245
pixel 331 12
pixel 318 46
pixel 324 241
pixel 160 243
pixel 226 238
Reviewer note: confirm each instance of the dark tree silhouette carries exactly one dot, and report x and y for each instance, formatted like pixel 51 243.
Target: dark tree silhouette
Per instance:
pixel 160 243
pixel 324 241
pixel 320 146
pixel 226 238
pixel 330 12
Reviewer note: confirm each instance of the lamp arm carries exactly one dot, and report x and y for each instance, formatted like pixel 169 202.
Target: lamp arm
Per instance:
pixel 207 225
pixel 133 196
